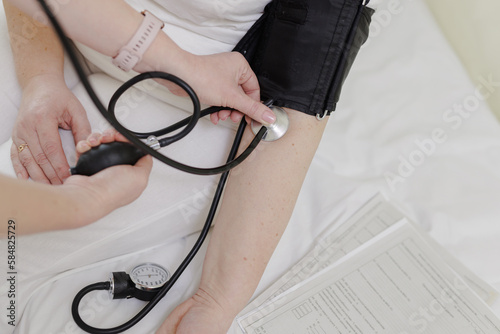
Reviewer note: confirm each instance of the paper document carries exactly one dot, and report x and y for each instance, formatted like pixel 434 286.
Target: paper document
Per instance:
pixel 395 283
pixel 373 218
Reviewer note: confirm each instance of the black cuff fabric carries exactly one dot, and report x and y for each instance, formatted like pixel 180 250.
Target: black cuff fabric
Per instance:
pixel 302 50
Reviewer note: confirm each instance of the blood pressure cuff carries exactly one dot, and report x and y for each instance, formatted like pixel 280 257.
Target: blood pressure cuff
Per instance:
pixel 302 50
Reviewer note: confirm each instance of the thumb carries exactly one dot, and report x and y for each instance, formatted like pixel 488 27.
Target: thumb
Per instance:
pixel 145 164
pixel 254 109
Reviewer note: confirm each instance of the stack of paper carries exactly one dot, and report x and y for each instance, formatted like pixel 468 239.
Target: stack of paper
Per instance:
pixel 376 273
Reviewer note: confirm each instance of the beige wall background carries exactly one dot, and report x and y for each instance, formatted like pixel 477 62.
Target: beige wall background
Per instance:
pixel 473 29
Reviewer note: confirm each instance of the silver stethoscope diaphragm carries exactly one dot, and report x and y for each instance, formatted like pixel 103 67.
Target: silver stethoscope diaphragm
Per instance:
pixel 274 131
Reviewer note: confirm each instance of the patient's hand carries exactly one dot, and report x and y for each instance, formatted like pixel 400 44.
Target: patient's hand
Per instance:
pixel 199 314
pixel 47 104
pixel 96 139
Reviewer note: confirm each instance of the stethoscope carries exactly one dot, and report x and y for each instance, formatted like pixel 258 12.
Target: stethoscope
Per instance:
pixel 151 282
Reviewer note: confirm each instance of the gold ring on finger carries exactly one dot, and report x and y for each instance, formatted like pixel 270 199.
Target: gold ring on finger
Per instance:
pixel 21 147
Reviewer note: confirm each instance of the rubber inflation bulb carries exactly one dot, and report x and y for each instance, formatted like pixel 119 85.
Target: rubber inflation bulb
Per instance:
pixel 106 155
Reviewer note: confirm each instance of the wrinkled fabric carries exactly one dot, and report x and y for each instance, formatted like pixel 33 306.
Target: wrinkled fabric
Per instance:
pixel 304 50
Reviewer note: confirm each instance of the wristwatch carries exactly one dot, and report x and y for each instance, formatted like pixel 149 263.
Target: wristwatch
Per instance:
pixel 131 54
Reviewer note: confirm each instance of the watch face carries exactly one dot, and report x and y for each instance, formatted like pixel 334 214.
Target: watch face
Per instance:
pixel 149 276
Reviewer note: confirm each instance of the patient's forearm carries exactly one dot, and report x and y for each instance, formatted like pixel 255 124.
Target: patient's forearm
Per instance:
pixel 36 49
pixel 258 202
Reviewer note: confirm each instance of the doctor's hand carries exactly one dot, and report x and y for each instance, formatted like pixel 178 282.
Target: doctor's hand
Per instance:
pixel 47 105
pixel 227 80
pixel 112 187
pixel 232 83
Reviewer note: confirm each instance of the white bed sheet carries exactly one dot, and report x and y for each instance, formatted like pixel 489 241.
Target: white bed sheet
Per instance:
pixel 402 89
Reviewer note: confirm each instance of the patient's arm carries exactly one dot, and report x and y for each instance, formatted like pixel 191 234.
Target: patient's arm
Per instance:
pixel 47 104
pixel 257 205
pixel 81 200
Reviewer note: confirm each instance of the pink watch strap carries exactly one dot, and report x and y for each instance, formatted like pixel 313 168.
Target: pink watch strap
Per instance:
pixel 131 54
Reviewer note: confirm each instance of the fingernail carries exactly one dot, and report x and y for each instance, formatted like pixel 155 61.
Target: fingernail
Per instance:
pixel 269 117
pixel 92 140
pixel 82 146
pixel 108 133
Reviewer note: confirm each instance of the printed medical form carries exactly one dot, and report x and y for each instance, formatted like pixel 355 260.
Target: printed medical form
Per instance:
pixel 380 277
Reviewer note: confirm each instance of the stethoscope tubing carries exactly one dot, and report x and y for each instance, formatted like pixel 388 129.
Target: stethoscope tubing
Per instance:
pixel 175 276
pixel 190 122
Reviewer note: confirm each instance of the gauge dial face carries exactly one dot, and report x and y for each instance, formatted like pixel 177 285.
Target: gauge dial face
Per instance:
pixel 149 276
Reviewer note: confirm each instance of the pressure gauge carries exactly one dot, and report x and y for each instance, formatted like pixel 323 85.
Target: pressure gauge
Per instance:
pixel 149 276
pixel 143 282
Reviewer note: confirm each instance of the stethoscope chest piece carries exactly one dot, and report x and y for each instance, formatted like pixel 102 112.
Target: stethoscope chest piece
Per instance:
pixel 274 131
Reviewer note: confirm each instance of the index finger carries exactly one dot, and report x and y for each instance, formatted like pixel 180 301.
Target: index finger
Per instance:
pixel 50 142
pixel 254 109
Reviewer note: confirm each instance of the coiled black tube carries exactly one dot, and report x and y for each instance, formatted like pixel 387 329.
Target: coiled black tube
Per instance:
pixel 231 163
pixel 175 276
pixel 130 135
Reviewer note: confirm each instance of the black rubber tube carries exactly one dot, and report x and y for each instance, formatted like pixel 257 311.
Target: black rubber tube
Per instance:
pixel 231 163
pixel 129 135
pixel 79 296
pixel 175 276
pixel 191 121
